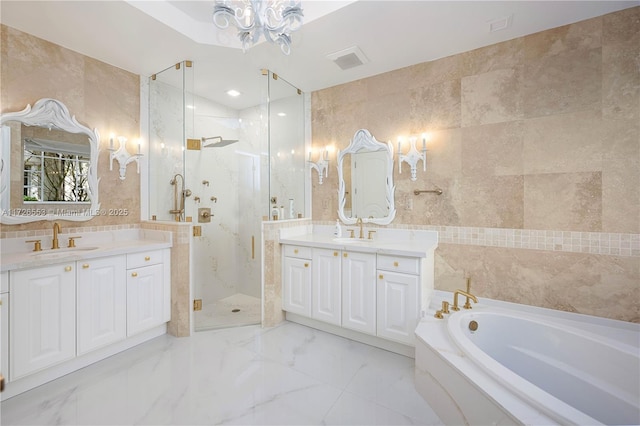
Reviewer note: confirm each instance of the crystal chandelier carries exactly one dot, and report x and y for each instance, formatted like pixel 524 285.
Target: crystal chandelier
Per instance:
pixel 275 19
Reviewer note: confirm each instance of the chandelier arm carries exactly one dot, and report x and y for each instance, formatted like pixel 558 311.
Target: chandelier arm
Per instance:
pixel 254 17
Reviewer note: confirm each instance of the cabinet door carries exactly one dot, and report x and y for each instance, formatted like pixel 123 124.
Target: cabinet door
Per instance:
pixel 326 300
pixel 397 306
pixel 359 292
pixel 102 302
pixel 296 286
pixel 42 328
pixel 4 327
pixel 145 298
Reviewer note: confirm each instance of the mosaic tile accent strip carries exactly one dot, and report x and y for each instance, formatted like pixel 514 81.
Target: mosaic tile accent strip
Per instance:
pixel 614 244
pixel 67 230
pixel 605 243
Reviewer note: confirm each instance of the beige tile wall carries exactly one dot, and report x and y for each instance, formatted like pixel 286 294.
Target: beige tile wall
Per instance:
pixel 539 135
pixel 100 96
pixel 180 324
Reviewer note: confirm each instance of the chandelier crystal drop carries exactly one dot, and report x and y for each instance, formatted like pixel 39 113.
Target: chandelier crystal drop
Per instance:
pixel 275 19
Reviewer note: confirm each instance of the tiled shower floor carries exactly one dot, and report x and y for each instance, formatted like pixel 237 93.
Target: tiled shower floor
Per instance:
pixel 221 313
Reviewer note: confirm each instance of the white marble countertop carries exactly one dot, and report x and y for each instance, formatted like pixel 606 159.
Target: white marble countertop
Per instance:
pixel 398 242
pixel 16 253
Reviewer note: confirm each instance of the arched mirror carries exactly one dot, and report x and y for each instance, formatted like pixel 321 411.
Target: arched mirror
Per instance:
pixel 365 173
pixel 48 166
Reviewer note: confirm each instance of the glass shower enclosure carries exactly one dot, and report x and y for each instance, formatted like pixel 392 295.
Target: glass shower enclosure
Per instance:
pixel 220 166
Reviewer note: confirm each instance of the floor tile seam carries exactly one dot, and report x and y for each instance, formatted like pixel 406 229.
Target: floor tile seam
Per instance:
pixel 373 401
pixel 249 342
pixel 330 409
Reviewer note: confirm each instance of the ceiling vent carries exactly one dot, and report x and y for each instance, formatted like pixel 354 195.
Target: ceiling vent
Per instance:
pixel 500 24
pixel 348 58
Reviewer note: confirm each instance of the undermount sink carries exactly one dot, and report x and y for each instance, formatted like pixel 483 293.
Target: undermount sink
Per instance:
pixel 349 240
pixel 55 253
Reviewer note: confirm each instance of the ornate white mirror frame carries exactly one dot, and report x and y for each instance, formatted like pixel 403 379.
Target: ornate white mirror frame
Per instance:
pixel 363 141
pixel 52 114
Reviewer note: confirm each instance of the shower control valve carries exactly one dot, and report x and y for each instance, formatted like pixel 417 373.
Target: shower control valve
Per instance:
pixel 204 215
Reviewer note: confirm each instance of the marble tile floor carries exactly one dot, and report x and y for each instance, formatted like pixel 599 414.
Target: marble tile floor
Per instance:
pixel 219 314
pixel 285 375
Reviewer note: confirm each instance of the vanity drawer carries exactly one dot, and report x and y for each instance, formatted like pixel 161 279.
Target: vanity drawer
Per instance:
pixel 407 265
pixel 144 258
pixel 297 251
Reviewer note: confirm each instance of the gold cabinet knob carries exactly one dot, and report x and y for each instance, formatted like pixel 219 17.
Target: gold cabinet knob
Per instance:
pixel 67 268
pixel 306 265
pixel 335 253
pixel 344 254
pixel 147 258
pixel 295 251
pixel 396 264
pixel 381 276
pixel 134 274
pixel 85 266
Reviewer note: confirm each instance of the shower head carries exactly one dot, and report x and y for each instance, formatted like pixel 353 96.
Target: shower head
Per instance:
pixel 217 142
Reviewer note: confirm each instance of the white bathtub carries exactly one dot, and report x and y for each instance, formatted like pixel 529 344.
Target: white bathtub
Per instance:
pixel 528 365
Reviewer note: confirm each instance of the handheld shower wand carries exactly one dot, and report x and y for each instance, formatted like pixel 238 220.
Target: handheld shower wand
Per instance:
pixel 178 206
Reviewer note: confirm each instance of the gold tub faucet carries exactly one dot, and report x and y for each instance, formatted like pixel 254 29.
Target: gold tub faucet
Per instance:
pixel 464 293
pixel 56 229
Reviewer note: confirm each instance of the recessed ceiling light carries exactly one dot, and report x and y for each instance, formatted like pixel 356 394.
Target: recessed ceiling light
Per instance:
pixel 233 93
pixel 282 114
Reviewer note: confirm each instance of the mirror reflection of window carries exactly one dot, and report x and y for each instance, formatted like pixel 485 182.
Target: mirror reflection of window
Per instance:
pixel 55 166
pixel 55 176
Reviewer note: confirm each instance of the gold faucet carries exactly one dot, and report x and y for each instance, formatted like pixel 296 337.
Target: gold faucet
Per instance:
pixel 467 305
pixel 464 293
pixel 359 222
pixel 56 229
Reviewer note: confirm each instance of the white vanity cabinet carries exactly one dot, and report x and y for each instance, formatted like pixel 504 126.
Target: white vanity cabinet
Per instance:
pixel 398 297
pixel 4 325
pixel 359 291
pixel 148 295
pixel 370 290
pixel 326 294
pixel 296 283
pixel 42 325
pixel 73 307
pixel 101 309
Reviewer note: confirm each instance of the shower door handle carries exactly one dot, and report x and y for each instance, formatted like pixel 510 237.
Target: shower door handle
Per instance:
pixel 253 247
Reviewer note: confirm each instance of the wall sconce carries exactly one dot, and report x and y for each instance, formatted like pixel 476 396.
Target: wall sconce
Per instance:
pixel 413 156
pixel 122 156
pixel 321 166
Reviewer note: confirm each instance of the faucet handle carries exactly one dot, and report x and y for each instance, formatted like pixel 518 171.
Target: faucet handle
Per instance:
pixel 352 233
pixel 72 241
pixel 37 246
pixel 371 234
